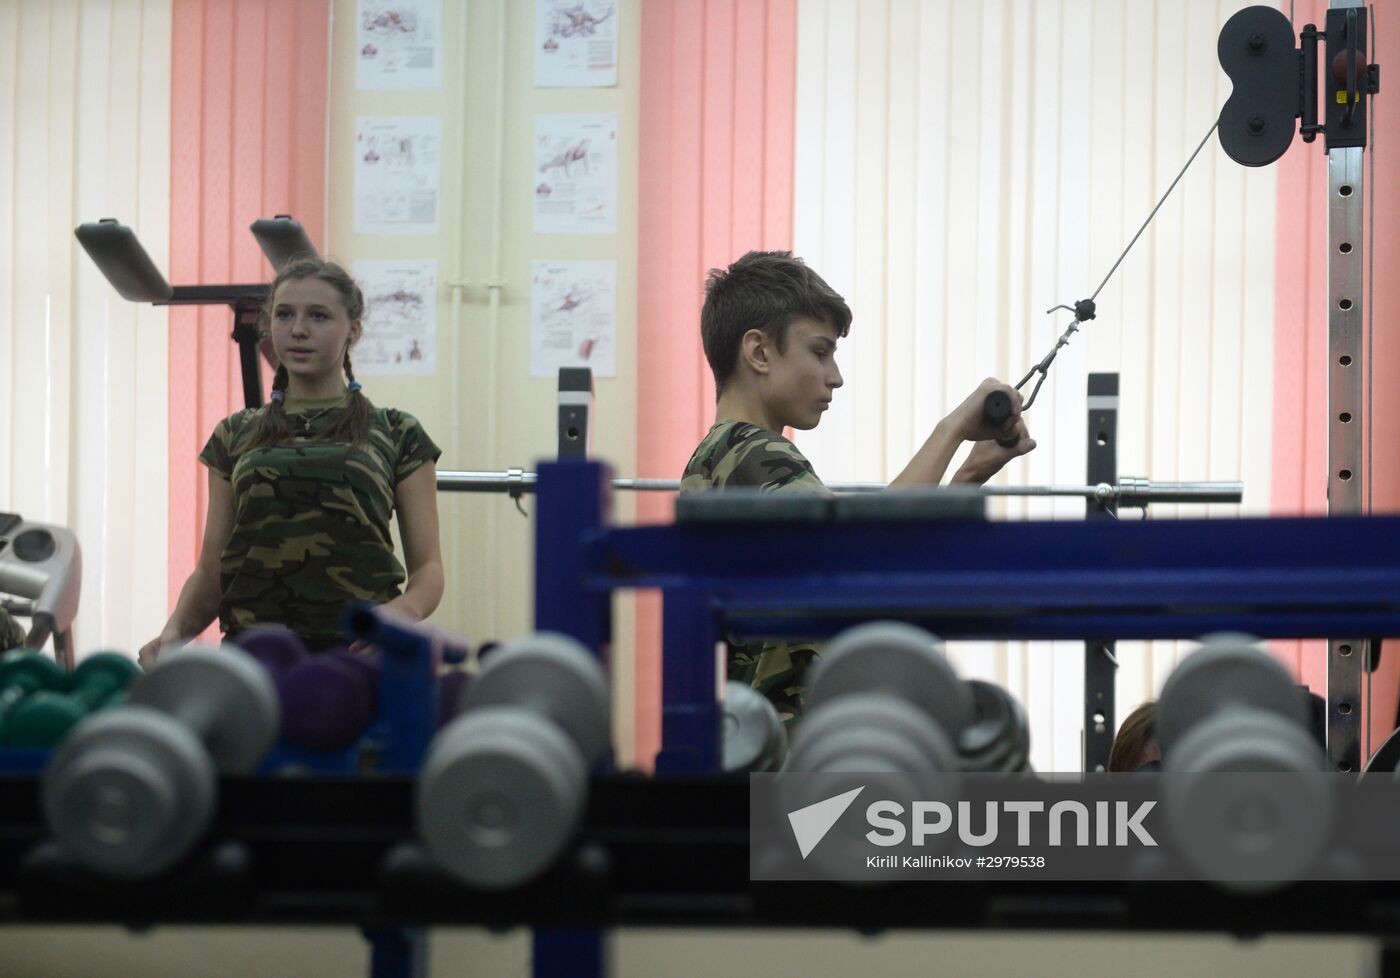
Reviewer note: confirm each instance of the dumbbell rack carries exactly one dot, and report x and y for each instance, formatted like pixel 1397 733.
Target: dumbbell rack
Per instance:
pixel 809 568
pixel 672 851
pixel 205 888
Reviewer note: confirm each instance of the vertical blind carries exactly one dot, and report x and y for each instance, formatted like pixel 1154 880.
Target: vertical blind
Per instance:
pixel 85 118
pixel 961 168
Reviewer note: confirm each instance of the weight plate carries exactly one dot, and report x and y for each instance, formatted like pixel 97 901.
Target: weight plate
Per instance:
pixel 897 659
pixel 129 792
pixel 871 733
pixel 499 796
pixel 754 739
pixel 1265 817
pixel 999 739
pixel 1245 739
pixel 1227 668
pixel 554 675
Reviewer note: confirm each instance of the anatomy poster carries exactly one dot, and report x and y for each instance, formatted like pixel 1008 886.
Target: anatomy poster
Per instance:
pixel 572 322
pixel 576 174
pixel 400 320
pixel 397 174
pixel 575 43
pixel 399 44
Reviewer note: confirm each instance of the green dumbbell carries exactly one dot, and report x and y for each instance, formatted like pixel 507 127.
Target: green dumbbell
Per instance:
pixel 22 672
pixel 44 719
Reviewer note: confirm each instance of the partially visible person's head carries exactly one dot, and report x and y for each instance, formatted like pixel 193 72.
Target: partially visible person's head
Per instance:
pixel 313 317
pixel 1136 743
pixel 766 291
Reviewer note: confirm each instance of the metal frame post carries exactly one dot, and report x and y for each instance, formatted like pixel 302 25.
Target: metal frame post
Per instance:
pixel 575 498
pixel 690 713
pixel 1100 662
pixel 1347 367
pixel 575 501
pixel 575 412
pixel 397 952
pixel 570 953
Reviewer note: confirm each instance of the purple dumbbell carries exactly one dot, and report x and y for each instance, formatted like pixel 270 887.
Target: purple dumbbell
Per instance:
pixel 276 648
pixel 328 700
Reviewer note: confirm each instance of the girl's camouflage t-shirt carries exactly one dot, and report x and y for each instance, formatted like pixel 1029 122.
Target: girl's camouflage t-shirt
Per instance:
pixel 311 517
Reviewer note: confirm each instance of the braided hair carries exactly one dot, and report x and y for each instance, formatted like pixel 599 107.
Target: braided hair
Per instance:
pixel 354 424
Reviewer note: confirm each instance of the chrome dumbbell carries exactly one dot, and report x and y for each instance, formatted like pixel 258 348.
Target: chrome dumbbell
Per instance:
pixel 1248 807
pixel 754 738
pixel 1229 706
pixel 883 698
pixel 504 784
pixel 132 789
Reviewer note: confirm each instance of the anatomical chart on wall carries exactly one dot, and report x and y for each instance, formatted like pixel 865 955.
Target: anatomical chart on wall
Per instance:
pixel 397 174
pixel 576 174
pixel 573 317
pixel 399 44
pixel 400 320
pixel 575 43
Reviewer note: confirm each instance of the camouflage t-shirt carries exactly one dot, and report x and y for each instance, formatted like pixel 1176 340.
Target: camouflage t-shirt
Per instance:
pixel 311 518
pixel 12 633
pixel 736 453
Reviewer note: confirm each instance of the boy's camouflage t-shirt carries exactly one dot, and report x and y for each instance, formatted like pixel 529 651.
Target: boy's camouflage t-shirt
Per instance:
pixel 311 518
pixel 733 454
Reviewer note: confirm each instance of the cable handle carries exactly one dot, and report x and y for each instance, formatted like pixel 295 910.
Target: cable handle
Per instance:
pixel 995 410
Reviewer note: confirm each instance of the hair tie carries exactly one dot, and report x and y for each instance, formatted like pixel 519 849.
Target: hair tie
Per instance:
pixel 278 396
pixel 353 386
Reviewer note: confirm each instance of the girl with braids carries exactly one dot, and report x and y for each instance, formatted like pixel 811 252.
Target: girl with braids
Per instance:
pixel 301 490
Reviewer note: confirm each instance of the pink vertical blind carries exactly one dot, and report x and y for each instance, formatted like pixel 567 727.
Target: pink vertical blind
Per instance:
pixel 1300 352
pixel 248 133
pixel 717 115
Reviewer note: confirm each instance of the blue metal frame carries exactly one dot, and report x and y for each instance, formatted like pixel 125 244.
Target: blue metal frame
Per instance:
pixel 1041 580
pixel 575 498
pixel 408 693
pixel 571 953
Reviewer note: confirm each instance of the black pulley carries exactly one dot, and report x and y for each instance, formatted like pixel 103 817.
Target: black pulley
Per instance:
pixel 1258 121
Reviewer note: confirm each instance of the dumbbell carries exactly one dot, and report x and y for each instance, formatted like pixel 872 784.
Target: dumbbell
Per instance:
pixel 45 717
pixel 1229 708
pixel 132 789
pixel 328 700
pixel 883 703
pixel 503 785
pixel 999 738
pixel 754 738
pixel 22 672
pixel 883 698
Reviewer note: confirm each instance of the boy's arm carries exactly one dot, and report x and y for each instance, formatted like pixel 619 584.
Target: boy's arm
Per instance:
pixel 966 423
pixel 929 463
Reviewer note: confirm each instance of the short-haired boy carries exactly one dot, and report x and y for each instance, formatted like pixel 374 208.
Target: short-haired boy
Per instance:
pixel 770 326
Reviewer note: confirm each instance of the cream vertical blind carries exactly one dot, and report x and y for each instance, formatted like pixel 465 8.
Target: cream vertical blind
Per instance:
pixel 960 168
pixel 85 116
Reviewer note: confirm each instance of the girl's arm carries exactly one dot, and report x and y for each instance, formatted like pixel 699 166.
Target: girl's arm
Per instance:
pixel 415 498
